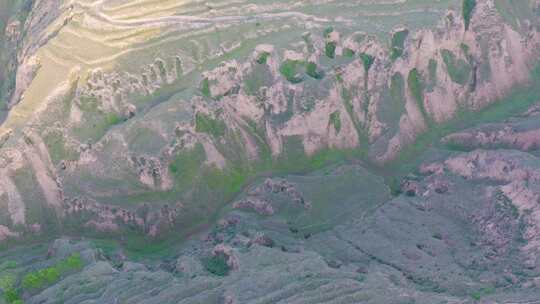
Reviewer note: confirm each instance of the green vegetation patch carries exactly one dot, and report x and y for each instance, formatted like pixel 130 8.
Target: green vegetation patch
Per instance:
pixel 103 122
pixel 205 87
pixel 210 184
pixel 295 160
pixel 10 264
pixel 347 52
pixel 465 48
pixel 330 49
pixel 346 96
pixel 37 211
pixel 393 108
pixel 398 44
pixel 99 121
pixel 289 70
pixel 313 71
pixel 458 69
pixel 335 120
pixel 58 150
pixel 394 184
pixel 396 86
pixel 217 265
pixel 477 295
pixel 518 101
pixel 468 8
pixel 35 281
pixel 7 280
pixel 292 70
pixel 367 60
pixel 162 70
pixel 327 31
pixel 208 125
pixel 226 182
pixel 432 69
pixel 186 165
pixel 11 296
pixel 263 57
pixel 112 119
pixel 416 88
pixel 39 279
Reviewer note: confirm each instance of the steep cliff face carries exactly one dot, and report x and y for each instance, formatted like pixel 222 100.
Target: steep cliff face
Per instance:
pixel 147 117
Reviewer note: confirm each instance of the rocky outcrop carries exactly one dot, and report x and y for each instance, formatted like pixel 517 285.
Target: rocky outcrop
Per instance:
pixel 5 233
pixel 260 206
pixel 286 188
pixel 228 254
pixel 519 176
pixel 496 136
pixel 110 219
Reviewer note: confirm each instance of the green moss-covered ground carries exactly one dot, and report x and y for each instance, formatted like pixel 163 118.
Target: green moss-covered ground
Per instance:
pixel 515 103
pixel 33 281
pixel 467 11
pixel 398 44
pixel 416 89
pixel 38 279
pixel 216 265
pixel 335 121
pixel 211 126
pixel 290 69
pixel 58 148
pixel 367 61
pixel 313 71
pixel 96 122
pixel 205 87
pixel 330 49
pixel 263 57
pixel 459 70
pixel 393 108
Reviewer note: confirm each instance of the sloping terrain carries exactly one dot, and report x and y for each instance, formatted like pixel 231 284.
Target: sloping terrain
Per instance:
pixel 462 230
pixel 269 152
pixel 122 109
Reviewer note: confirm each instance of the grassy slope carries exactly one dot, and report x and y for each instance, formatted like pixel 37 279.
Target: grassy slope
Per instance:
pixel 226 185
pixel 518 101
pixel 9 10
pixel 231 182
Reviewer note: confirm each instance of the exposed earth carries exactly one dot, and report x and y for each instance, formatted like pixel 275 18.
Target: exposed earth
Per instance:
pixel 167 151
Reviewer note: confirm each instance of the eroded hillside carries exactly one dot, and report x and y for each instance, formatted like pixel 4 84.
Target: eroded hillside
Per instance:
pixel 146 117
pixel 462 229
pixel 269 151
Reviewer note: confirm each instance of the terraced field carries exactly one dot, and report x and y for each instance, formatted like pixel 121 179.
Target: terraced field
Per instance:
pixel 129 36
